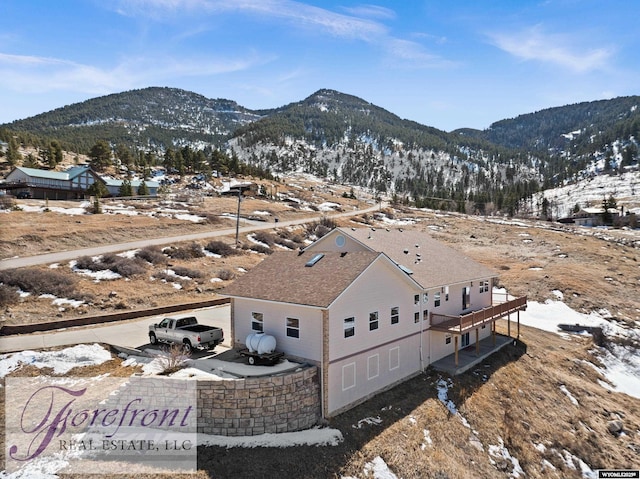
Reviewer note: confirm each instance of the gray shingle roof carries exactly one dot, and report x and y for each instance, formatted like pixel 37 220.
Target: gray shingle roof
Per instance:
pixel 283 277
pixel 431 262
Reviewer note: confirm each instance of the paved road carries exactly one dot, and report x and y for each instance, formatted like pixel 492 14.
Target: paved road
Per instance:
pixel 131 334
pixel 62 256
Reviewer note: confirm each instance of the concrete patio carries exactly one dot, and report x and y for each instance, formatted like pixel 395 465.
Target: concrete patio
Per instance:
pixel 467 357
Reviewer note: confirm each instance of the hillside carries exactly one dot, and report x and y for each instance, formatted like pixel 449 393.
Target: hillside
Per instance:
pixel 345 139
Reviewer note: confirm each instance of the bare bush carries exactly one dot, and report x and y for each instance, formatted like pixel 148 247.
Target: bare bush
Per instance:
pixel 286 243
pixel 191 273
pixel 125 267
pixel 8 295
pixel 152 254
pixel 258 248
pixel 322 227
pixel 226 274
pixel 221 248
pixel 264 237
pixel 211 219
pixel 194 250
pixel 39 281
pixel 173 358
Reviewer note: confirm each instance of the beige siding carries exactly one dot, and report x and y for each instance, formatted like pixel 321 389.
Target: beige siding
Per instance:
pixel 453 306
pixel 438 345
pixel 370 361
pixel 308 345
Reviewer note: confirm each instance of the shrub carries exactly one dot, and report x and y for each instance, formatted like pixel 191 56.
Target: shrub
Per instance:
pixel 37 281
pixel 221 248
pixel 322 227
pixel 226 274
pixel 87 262
pixel 182 271
pixel 258 248
pixel 8 295
pixel 264 237
pixel 286 243
pixel 152 254
pixel 192 251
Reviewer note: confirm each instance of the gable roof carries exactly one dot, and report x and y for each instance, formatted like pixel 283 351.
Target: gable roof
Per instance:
pixel 283 277
pixel 428 261
pixel 53 175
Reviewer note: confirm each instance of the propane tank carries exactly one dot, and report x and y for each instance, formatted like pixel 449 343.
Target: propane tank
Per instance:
pixel 260 343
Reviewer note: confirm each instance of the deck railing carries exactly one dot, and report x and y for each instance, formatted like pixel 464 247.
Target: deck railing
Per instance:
pixel 461 323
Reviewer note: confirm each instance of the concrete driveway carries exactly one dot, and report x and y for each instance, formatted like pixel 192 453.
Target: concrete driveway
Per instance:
pixel 130 334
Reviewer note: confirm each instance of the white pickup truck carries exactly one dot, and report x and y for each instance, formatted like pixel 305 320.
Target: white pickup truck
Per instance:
pixel 186 331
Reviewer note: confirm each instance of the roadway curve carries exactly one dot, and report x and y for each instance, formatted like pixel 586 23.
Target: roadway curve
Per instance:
pixel 61 256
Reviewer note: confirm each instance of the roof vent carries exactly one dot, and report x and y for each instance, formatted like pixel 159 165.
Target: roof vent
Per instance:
pixel 406 251
pixel 314 260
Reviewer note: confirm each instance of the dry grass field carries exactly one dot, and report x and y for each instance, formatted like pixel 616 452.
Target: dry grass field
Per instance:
pixel 515 397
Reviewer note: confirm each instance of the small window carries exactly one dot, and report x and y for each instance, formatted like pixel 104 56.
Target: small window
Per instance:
pixel 416 317
pixel 446 293
pixel 436 299
pixel 447 339
pixel 425 298
pixel 349 327
pixel 373 321
pixel 416 299
pixel 395 315
pixel 257 321
pixel 484 286
pixel 425 315
pixel 293 327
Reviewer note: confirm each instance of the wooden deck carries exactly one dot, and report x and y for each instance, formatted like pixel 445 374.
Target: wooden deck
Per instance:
pixel 466 322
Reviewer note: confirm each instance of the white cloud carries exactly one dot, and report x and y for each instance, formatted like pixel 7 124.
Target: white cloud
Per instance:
pixel 41 74
pixel 559 49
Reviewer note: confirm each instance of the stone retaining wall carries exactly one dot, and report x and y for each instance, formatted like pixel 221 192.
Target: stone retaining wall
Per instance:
pixel 244 407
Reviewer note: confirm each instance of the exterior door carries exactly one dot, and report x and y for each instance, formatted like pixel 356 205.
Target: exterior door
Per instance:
pixel 464 340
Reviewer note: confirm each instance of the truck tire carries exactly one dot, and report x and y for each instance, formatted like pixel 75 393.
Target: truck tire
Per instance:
pixel 186 346
pixel 152 338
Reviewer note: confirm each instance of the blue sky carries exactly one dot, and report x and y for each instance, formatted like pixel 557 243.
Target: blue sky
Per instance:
pixel 442 63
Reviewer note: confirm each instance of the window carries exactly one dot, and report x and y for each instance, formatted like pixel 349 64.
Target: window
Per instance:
pixel 257 323
pixel 436 299
pixel 416 299
pixel 464 340
pixel 349 327
pixel 446 293
pixel 395 315
pixel 425 298
pixel 484 286
pixel 447 339
pixel 425 315
pixel 373 321
pixel 293 327
pixel 416 317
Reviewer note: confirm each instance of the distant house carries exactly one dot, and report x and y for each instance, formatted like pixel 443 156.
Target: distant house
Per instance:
pixel 113 186
pixel 370 308
pixel 595 216
pixel 54 185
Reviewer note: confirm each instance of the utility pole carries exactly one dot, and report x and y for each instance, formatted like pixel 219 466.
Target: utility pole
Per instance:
pixel 238 214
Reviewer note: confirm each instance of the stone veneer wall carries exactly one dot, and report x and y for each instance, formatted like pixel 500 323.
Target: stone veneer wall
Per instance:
pixel 245 407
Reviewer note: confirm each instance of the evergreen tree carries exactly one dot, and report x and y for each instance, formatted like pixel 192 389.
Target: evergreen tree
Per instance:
pixel 143 190
pixel 100 155
pixel 13 155
pixel 125 188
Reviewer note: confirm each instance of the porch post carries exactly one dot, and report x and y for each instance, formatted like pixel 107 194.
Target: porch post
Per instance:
pixel 477 342
pixel 455 347
pixel 493 332
pixel 509 324
pixel 518 324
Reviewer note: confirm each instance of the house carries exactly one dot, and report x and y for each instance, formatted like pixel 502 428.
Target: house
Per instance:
pixel 370 307
pixel 596 216
pixel 113 186
pixel 54 185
